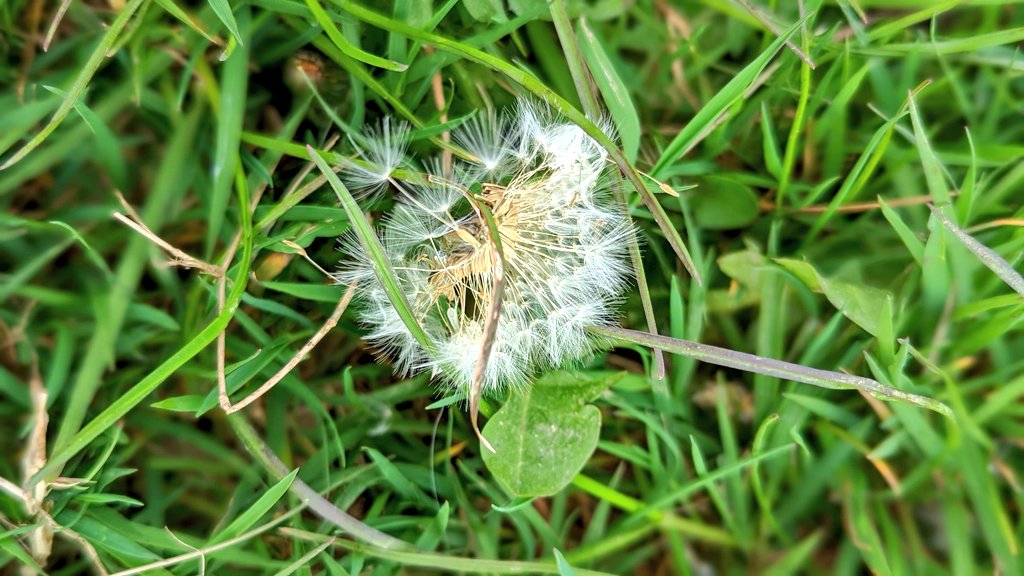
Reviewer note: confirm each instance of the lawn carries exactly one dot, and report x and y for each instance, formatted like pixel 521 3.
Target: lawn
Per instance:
pixel 536 286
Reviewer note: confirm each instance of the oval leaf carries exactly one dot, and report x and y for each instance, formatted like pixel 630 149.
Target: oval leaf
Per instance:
pixel 544 436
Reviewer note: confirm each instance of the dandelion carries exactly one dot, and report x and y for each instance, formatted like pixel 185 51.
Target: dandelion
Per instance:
pixel 564 240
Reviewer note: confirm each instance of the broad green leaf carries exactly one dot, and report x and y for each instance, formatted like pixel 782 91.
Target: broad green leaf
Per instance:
pixel 744 267
pixel 544 436
pixel 723 203
pixel 857 302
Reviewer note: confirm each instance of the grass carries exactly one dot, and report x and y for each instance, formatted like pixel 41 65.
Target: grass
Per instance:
pixel 816 196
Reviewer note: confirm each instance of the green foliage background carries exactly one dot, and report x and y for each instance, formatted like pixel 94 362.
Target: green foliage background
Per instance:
pixel 803 200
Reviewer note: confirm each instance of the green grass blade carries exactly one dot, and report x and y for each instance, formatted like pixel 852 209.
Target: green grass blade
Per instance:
pixel 261 506
pixel 324 19
pixel 374 249
pixel 722 101
pixel 613 90
pixel 167 187
pixel 222 8
pixel 230 114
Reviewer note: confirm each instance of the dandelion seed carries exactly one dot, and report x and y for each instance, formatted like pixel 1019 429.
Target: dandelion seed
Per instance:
pixel 484 136
pixel 382 150
pixel 565 244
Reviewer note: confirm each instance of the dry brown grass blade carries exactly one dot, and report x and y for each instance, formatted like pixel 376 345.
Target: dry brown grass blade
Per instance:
pixel 55 23
pixel 179 257
pixel 327 326
pixel 41 538
pixel 490 324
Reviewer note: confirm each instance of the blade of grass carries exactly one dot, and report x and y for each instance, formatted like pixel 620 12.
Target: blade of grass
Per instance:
pixel 722 101
pixel 374 249
pixel 578 68
pixel 986 255
pixel 613 90
pixel 323 507
pixel 441 562
pixel 771 367
pixel 167 187
pixel 230 110
pixel 263 504
pixel 574 58
pixel 222 8
pixel 174 10
pixel 324 19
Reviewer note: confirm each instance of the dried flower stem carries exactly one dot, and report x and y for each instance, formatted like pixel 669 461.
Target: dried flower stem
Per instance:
pixel 331 322
pixel 771 367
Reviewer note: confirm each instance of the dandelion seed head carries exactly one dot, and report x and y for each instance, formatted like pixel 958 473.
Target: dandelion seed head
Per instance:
pixel 565 245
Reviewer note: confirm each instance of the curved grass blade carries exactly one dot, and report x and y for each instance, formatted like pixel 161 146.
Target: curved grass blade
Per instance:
pixel 322 506
pixel 222 8
pixel 321 16
pixel 546 94
pixel 581 79
pixel 107 146
pixel 441 562
pixel 81 82
pixel 773 368
pixel 187 19
pixel 374 249
pixel 612 88
pixel 248 518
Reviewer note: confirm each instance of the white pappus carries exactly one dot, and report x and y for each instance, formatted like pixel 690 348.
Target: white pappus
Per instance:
pixel 565 242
